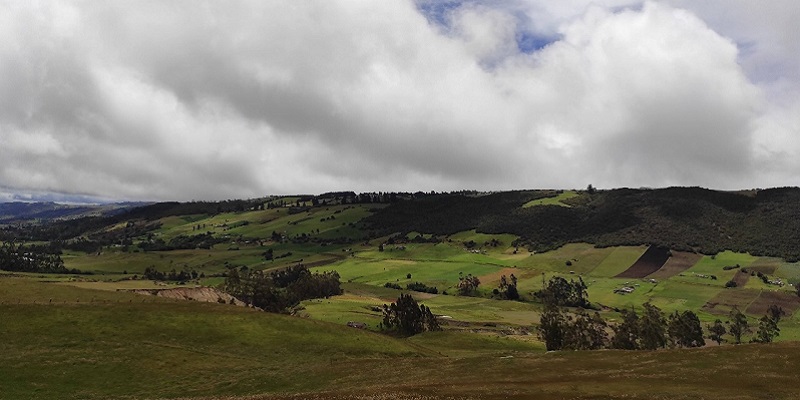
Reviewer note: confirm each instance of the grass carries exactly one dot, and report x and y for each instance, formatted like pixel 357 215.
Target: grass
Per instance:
pixel 728 372
pixel 552 201
pixel 444 275
pixel 325 222
pixel 116 346
pixel 617 261
pixel 713 265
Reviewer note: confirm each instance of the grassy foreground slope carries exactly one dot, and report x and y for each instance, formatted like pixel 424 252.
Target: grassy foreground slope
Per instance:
pixel 99 345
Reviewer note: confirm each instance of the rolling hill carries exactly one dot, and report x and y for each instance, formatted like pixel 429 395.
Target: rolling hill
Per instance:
pixel 90 336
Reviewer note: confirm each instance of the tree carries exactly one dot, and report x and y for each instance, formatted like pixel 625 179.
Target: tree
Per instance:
pixel 626 333
pixel 552 327
pixel 407 317
pixel 280 290
pixel 684 329
pixel 585 332
pixel 716 332
pixel 508 289
pixel 561 292
pixel 767 330
pixel 652 328
pixel 467 285
pixel 738 325
pixel 768 325
pixel 775 312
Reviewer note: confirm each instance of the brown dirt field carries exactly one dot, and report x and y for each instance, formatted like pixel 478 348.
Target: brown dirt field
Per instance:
pixel 723 302
pixel 651 261
pixel 764 269
pixel 494 277
pixel 741 278
pixel 766 265
pixel 679 262
pixel 788 301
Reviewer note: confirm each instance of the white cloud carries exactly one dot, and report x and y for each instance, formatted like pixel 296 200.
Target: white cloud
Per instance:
pixel 191 100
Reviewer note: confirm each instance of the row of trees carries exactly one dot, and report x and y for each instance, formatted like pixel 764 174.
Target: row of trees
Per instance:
pixel 738 326
pixel 280 290
pixel 650 330
pixel 187 242
pixel 178 276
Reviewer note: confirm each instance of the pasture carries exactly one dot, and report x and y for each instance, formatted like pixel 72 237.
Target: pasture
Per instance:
pixel 118 347
pixel 553 201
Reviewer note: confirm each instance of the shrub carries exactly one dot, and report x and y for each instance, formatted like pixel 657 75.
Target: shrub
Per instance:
pixel 407 317
pixel 421 287
pixel 391 285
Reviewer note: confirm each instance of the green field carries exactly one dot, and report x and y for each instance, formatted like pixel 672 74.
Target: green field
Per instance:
pixel 552 201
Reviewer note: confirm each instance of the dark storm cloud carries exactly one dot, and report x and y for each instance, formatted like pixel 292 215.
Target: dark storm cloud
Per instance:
pixel 212 99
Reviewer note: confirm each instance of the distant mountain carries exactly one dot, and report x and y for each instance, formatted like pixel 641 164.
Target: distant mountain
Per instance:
pixel 18 212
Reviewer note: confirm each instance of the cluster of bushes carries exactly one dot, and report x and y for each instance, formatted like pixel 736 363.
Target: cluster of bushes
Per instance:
pixel 560 292
pixel 269 255
pixel 421 287
pixel 181 242
pixel 176 276
pixel 507 289
pixel 467 284
pixel 406 317
pixel 278 291
pixel 390 285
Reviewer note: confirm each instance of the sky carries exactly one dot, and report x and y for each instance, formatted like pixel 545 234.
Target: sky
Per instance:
pixel 209 100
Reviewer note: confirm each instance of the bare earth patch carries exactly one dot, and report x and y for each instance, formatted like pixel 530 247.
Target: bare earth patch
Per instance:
pixel 651 261
pixel 202 294
pixel 724 301
pixel 679 262
pixel 788 301
pixel 495 276
pixel 741 278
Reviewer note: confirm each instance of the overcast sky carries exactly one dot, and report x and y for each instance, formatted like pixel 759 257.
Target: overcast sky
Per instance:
pixel 159 100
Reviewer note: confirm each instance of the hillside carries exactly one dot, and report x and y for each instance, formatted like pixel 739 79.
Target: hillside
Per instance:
pixel 677 249
pixel 61 342
pixel 763 222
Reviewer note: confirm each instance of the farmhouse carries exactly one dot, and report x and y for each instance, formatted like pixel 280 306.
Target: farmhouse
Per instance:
pixel 624 290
